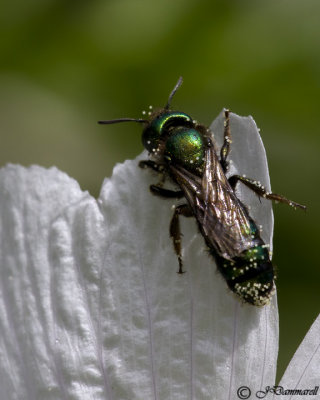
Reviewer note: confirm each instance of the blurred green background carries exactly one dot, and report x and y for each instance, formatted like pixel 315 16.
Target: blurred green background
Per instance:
pixel 66 64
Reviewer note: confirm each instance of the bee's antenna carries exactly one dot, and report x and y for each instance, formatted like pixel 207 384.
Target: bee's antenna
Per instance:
pixel 178 84
pixel 115 121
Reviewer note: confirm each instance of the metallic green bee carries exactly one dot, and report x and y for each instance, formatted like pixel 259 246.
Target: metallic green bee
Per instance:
pixel 184 151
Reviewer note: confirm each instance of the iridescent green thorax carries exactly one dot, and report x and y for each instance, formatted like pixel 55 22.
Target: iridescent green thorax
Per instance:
pixel 160 125
pixel 185 147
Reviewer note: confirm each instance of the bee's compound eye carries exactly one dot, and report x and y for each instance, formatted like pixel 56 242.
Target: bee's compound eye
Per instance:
pixel 186 147
pixel 150 138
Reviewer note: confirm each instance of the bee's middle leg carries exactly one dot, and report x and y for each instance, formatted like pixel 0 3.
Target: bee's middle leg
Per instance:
pixel 175 232
pixel 158 190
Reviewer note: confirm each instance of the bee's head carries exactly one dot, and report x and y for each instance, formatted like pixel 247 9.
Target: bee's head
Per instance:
pixel 159 127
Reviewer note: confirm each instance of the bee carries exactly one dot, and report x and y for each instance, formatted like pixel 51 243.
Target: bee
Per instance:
pixel 184 151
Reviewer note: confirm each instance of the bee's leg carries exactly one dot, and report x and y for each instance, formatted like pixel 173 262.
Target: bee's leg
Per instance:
pixel 175 232
pixel 225 149
pixel 166 193
pixel 155 167
pixel 152 165
pixel 158 190
pixel 261 191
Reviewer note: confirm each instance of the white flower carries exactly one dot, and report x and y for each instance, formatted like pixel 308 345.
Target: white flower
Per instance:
pixel 91 306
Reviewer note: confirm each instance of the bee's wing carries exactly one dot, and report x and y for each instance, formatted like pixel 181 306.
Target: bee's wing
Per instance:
pixel 222 219
pixel 248 157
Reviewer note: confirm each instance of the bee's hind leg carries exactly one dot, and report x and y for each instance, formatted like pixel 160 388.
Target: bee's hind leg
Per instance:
pixel 175 232
pixel 261 191
pixel 225 149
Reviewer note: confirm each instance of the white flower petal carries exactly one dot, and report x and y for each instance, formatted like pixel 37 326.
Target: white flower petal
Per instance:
pixel 202 341
pixel 303 371
pixel 91 305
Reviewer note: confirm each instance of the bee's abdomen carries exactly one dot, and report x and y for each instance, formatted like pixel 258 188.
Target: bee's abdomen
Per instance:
pixel 251 275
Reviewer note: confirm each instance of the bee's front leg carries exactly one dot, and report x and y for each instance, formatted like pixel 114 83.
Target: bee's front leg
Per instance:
pixel 152 165
pixel 261 191
pixel 175 231
pixel 160 168
pixel 158 190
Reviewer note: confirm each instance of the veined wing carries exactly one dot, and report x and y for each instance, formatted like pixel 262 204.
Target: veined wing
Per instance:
pixel 223 221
